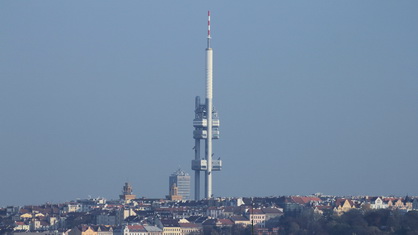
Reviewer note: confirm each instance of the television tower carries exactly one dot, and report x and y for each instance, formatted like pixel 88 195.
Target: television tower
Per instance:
pixel 206 124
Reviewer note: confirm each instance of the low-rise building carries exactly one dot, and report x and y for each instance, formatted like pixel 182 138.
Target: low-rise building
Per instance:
pixel 343 205
pixel 82 230
pixel 257 217
pixel 190 228
pixel 238 219
pixel 377 203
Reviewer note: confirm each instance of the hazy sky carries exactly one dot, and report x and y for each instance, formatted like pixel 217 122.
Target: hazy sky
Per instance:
pixel 313 96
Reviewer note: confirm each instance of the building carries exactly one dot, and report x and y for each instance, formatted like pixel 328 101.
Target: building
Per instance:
pixel 343 205
pixel 190 228
pixel 133 230
pixel 170 227
pixel 174 194
pixel 181 180
pixel 82 230
pixel 127 195
pixel 257 216
pixel 377 203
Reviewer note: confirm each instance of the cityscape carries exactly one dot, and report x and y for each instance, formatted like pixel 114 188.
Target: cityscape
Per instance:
pixel 178 215
pixel 319 119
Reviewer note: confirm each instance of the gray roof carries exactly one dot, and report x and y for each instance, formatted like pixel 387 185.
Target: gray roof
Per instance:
pixel 152 228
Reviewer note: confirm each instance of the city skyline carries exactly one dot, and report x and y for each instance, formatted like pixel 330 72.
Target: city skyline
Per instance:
pixel 313 97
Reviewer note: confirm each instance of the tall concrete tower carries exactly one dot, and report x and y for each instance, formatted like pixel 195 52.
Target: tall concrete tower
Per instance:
pixel 206 124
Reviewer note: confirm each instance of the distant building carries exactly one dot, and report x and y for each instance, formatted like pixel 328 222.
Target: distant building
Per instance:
pixel 257 216
pixel 107 218
pixel 190 228
pixel 182 180
pixel 377 203
pixel 343 205
pixel 82 230
pixel 127 193
pixel 174 194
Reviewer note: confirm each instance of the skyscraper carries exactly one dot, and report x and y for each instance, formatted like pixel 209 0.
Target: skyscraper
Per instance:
pixel 182 180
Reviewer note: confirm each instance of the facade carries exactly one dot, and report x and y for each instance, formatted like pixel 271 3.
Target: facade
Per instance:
pixel 109 218
pixel 257 216
pixel 124 213
pixel 153 230
pixel 170 227
pixel 190 228
pixel 134 230
pixel 238 219
pixel 181 180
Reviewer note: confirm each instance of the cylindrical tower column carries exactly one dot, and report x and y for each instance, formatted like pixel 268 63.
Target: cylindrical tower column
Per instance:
pixel 209 108
pixel 197 172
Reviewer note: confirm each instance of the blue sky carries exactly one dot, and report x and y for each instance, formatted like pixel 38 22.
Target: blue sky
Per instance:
pixel 313 96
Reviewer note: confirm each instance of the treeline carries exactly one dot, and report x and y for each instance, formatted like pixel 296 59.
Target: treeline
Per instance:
pixel 357 222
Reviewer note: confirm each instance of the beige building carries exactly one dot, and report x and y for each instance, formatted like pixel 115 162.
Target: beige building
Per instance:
pixel 257 216
pixel 171 227
pixel 190 228
pixel 172 231
pixel 237 219
pixel 82 230
pixel 343 205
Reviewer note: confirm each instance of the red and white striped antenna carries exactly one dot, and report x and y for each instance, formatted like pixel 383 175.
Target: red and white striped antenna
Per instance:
pixel 209 29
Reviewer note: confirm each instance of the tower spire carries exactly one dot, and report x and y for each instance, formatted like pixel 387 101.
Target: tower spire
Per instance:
pixel 209 29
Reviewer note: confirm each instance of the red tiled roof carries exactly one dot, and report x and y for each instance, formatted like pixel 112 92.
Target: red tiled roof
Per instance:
pixel 393 199
pixel 304 200
pixel 323 207
pixel 226 221
pixel 23 211
pixel 136 228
